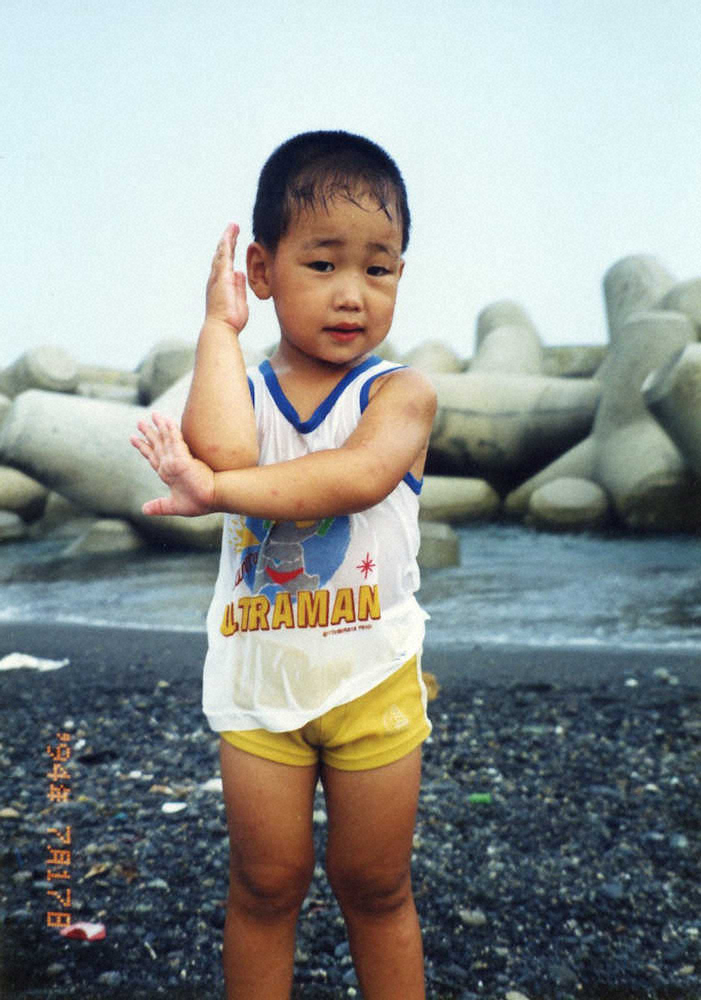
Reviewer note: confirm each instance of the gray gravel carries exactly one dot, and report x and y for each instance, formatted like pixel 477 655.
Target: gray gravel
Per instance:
pixel 557 849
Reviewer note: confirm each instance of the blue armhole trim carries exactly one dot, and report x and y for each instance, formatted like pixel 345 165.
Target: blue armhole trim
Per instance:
pixel 252 390
pixel 412 482
pixel 365 391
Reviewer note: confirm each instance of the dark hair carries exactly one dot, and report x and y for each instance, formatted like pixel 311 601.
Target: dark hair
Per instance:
pixel 310 169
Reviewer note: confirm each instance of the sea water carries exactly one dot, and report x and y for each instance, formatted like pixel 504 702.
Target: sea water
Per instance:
pixel 513 586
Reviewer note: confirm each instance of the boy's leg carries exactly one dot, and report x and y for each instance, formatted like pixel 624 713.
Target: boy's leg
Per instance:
pixel 271 850
pixel 371 826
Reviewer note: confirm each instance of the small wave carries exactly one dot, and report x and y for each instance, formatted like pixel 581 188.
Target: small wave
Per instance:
pixel 17 616
pixel 573 642
pixel 439 638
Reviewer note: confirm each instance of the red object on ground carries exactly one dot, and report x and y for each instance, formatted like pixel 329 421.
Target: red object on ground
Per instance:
pixel 86 931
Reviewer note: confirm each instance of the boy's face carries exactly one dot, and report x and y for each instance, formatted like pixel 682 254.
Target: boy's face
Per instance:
pixel 334 279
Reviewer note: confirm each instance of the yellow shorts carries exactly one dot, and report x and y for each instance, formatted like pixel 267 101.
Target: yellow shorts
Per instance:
pixel 379 727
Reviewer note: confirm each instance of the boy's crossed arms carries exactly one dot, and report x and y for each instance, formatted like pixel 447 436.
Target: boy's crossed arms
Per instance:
pixel 391 436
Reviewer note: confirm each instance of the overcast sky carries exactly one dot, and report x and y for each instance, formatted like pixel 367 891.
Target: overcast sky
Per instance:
pixel 541 141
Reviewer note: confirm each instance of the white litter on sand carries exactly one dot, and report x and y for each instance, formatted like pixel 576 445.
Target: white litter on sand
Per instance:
pixel 173 807
pixel 14 661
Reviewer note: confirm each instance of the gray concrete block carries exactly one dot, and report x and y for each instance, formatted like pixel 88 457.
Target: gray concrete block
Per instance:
pixel 106 536
pixel 673 396
pixel 631 285
pixel 568 504
pixel 21 494
pixel 165 363
pixel 503 425
pixel 440 546
pixel 12 527
pixel 80 448
pixel 45 367
pixel 457 499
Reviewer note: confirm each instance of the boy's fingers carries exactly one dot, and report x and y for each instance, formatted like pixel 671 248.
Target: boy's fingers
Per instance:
pixel 157 508
pixel 227 244
pixel 148 432
pixel 232 232
pixel 145 447
pixel 168 430
pixel 164 425
pixel 139 444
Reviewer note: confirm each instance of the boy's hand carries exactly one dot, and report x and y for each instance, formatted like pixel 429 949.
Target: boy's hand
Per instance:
pixel 226 288
pixel 190 481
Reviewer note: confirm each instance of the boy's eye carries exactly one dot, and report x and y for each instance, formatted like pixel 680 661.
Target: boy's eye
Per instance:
pixel 376 271
pixel 321 265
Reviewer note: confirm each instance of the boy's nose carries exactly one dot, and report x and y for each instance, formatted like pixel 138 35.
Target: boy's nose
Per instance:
pixel 348 294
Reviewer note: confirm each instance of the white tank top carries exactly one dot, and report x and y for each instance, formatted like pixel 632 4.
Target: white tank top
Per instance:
pixel 309 615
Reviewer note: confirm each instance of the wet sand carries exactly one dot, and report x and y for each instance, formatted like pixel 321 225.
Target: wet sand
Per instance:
pixel 132 659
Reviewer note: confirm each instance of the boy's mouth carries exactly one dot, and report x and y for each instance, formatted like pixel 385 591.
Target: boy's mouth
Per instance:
pixel 344 331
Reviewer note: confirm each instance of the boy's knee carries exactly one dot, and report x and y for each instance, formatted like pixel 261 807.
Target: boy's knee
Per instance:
pixel 371 891
pixel 269 889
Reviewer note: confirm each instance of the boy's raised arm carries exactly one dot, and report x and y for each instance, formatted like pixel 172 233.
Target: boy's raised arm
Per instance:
pixel 390 440
pixel 218 423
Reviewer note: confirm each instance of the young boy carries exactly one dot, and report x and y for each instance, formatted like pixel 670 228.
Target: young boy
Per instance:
pixel 313 668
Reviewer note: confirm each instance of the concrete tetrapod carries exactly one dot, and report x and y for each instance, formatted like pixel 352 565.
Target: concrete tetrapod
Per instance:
pixel 568 504
pixel 106 536
pixel 509 348
pixel 43 367
pixel 100 382
pixel 165 363
pixel 12 527
pixel 673 395
pixel 635 461
pixel 500 426
pixel 685 297
pixel 80 448
pixel 62 519
pixel 506 341
pixel 457 498
pixel 503 312
pixel 574 360
pixel 440 545
pixel 628 454
pixel 633 284
pixel 577 463
pixel 21 494
pixel 434 356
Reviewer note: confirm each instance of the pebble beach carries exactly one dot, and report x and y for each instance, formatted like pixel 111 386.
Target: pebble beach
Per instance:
pixel 556 852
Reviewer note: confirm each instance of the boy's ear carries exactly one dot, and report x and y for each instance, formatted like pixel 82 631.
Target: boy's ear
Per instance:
pixel 258 261
pixel 401 266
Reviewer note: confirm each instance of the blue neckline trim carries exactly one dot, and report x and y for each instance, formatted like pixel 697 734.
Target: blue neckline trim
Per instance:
pixel 287 409
pixel 305 426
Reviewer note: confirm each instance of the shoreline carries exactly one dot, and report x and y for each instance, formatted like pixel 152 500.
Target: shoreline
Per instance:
pixel 149 655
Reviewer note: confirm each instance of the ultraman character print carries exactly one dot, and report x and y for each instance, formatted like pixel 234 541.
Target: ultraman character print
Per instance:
pixel 290 556
pixel 281 557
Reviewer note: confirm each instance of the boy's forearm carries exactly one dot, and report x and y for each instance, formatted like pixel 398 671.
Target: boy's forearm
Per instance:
pixel 323 484
pixel 391 437
pixel 219 423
